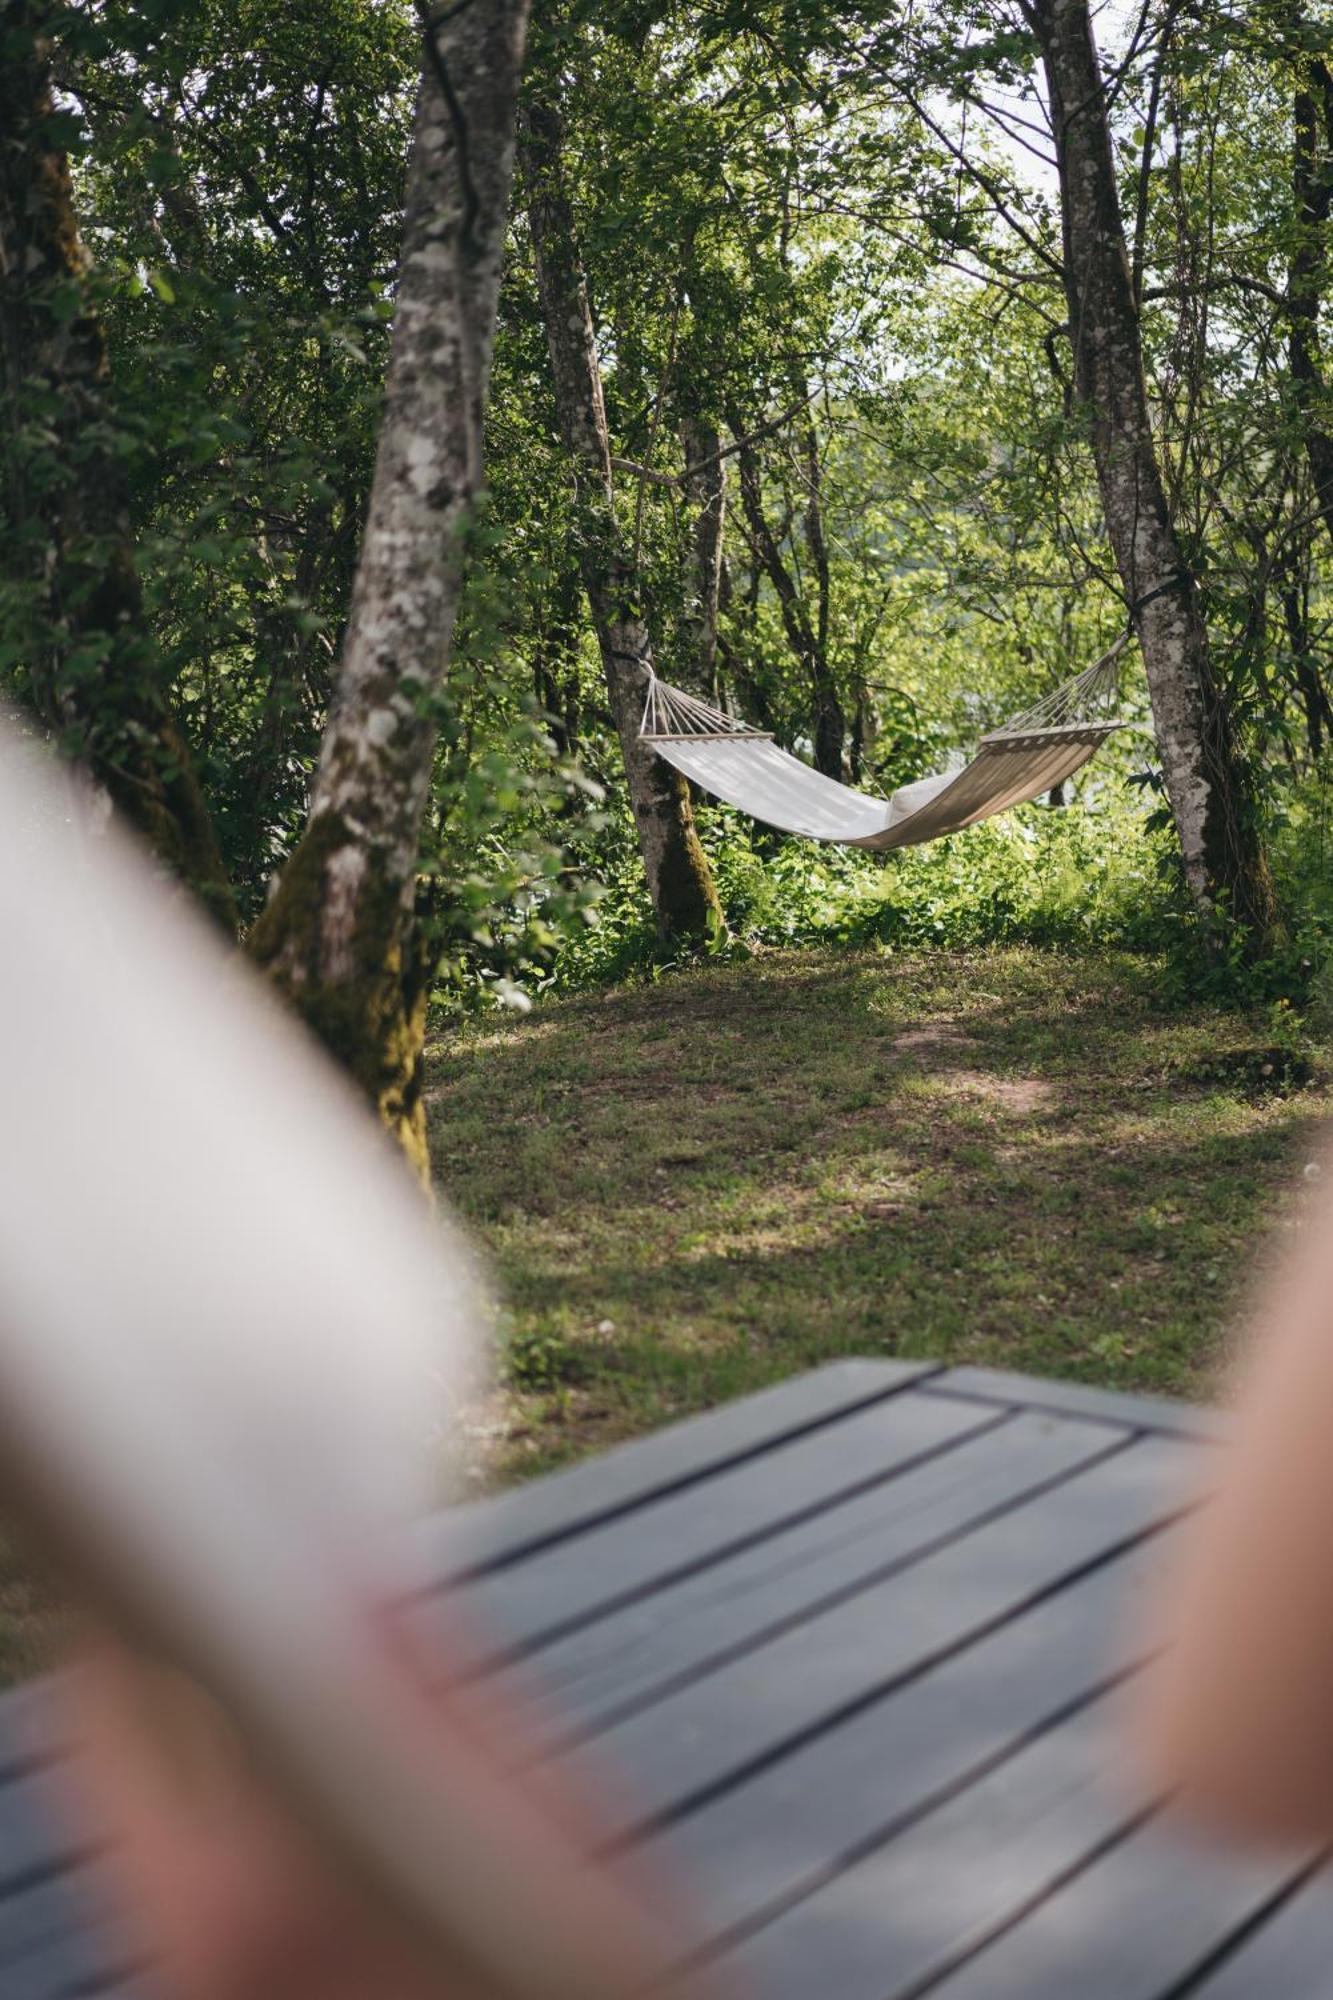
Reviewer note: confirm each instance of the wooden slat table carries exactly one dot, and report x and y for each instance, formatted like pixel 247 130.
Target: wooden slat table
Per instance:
pixel 847 1657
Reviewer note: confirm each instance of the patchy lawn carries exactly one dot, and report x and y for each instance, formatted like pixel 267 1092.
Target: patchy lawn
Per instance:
pixel 1018 1159
pixel 693 1188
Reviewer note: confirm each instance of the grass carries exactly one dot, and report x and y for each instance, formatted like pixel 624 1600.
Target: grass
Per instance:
pixel 693 1188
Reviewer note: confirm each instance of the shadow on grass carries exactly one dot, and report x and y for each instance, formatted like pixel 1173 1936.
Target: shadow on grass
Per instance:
pixel 697 1187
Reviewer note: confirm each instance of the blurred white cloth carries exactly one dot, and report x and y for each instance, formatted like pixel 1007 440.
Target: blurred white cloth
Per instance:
pixel 230 1334
pixel 204 1238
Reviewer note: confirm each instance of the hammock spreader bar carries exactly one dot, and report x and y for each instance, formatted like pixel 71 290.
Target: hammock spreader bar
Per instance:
pixel 1019 761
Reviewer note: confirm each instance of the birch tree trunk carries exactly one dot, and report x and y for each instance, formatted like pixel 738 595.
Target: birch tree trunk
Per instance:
pixel 1223 859
pixel 96 677
pixel 339 935
pixel 679 879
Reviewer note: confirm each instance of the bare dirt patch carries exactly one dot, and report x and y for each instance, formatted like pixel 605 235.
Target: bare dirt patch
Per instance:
pixel 936 1181
pixel 930 1038
pixel 1021 1096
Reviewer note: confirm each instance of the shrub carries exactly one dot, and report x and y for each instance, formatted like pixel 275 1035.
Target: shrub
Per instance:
pixel 1094 873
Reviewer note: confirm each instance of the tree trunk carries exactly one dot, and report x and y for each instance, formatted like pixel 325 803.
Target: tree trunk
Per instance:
pixel 706 496
pixel 679 880
pixel 864 735
pixel 808 641
pixel 95 676
pixel 1223 860
pixel 1312 197
pixel 340 935
pixel 555 667
pixel 830 724
pixel 1294 591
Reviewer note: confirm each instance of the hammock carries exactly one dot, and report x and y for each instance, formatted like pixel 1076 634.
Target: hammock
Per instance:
pixel 744 767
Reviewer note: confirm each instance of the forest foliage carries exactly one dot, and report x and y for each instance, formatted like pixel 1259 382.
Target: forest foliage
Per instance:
pixel 822 247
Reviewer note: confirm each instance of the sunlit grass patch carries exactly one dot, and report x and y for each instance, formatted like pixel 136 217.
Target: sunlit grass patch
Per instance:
pixel 1021 1158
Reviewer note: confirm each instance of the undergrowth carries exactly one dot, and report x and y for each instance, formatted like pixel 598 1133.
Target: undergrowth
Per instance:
pixel 1101 874
pixel 1077 878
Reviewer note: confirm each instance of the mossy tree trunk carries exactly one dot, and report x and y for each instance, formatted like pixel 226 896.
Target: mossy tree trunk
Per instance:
pixel 340 935
pixel 1223 859
pixel 94 674
pixel 679 879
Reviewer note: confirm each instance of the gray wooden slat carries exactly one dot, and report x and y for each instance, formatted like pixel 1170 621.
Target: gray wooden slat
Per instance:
pixel 891 1924
pixel 95 1986
pixel 47 1898
pixel 1290 1957
pixel 669 1463
pixel 806 1816
pixel 33 1722
pixel 530 1601
pixel 48 1926
pixel 83 1970
pixel 99 1988
pixel 597 1673
pixel 774 1486
pixel 508 1524
pixel 81 1963
pixel 34 1838
pixel 692 1742
pixel 1135 1924
pixel 1076 1399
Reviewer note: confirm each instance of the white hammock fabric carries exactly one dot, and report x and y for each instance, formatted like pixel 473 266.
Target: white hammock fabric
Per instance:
pixel 745 767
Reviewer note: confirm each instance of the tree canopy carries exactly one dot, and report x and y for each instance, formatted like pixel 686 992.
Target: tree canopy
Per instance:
pixel 891 435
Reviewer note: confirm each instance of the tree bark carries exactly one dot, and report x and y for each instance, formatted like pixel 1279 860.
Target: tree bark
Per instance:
pixel 808 639
pixel 95 676
pixel 555 667
pixel 1223 860
pixel 679 879
pixel 706 495
pixel 864 734
pixel 1294 592
pixel 830 724
pixel 1307 276
pixel 340 935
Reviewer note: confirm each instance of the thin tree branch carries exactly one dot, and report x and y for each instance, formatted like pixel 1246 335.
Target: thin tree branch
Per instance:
pixel 655 478
pixel 988 185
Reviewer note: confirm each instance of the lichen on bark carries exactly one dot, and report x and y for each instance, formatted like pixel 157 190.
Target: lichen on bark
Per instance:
pixel 1224 864
pixel 366 1002
pixel 340 936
